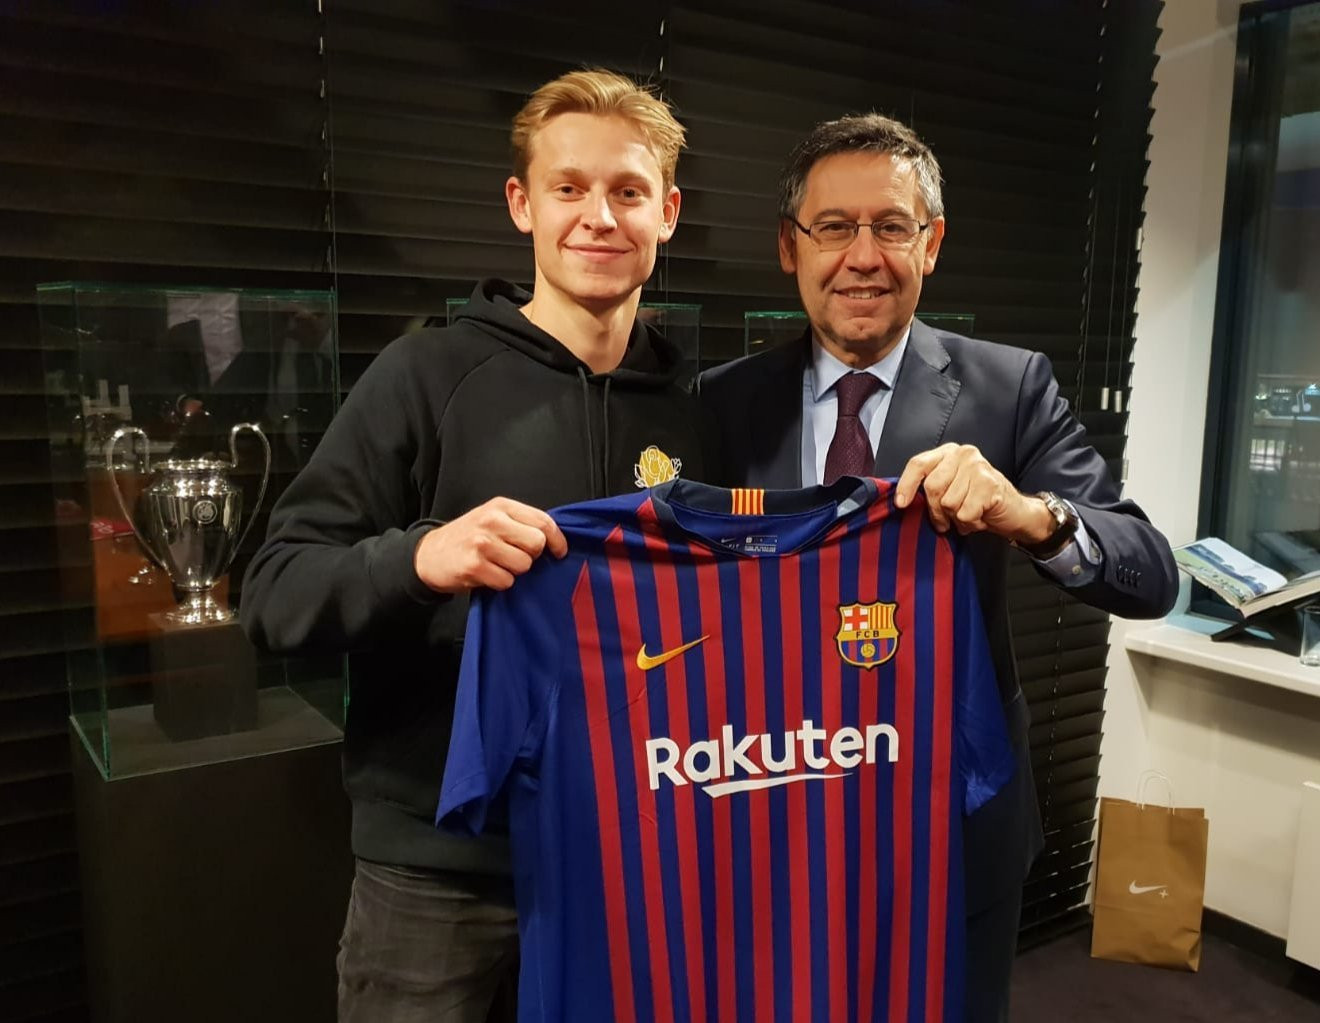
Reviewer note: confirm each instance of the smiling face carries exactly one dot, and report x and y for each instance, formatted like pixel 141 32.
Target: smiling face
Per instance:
pixel 860 299
pixel 596 207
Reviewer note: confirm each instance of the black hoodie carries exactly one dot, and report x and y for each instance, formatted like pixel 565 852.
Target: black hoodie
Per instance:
pixel 442 421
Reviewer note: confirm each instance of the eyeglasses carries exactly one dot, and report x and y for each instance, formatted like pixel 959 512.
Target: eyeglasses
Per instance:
pixel 890 233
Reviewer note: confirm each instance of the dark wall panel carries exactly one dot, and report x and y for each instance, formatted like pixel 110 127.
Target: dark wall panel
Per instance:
pixel 364 145
pixel 152 144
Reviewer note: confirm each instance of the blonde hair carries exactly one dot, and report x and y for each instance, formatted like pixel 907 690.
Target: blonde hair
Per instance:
pixel 604 94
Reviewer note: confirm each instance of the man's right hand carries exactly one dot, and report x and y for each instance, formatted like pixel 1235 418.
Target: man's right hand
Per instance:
pixel 489 546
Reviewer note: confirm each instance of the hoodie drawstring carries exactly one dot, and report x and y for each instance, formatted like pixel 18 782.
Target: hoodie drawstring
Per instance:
pixel 605 458
pixel 603 489
pixel 586 416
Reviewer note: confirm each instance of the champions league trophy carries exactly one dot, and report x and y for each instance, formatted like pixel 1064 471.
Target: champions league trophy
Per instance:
pixel 192 528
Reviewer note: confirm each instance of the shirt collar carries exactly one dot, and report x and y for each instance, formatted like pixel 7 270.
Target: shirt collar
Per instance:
pixel 826 369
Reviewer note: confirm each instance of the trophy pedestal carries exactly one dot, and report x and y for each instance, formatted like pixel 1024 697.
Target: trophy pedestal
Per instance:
pixel 204 679
pixel 215 891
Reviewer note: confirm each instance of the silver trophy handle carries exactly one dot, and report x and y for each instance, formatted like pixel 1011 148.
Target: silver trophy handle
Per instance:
pixel 131 431
pixel 265 473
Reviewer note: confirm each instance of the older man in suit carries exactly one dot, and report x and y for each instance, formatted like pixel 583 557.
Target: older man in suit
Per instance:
pixel 979 427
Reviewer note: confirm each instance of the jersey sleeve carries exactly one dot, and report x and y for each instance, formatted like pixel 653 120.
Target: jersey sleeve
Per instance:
pixel 985 754
pixel 506 685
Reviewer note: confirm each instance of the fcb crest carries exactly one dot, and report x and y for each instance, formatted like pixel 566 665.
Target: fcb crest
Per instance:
pixel 867 634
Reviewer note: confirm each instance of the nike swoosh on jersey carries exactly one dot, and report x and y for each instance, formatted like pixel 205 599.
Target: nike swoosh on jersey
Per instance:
pixel 646 662
pixel 1142 889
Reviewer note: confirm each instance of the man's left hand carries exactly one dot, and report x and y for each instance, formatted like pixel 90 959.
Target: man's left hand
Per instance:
pixel 966 493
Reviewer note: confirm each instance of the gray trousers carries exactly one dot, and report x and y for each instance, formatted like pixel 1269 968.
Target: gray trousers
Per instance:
pixel 423 946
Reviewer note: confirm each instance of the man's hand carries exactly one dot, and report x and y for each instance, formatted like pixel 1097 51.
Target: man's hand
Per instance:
pixel 488 546
pixel 966 493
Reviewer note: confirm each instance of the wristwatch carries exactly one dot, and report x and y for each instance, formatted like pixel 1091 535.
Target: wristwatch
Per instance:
pixel 1065 527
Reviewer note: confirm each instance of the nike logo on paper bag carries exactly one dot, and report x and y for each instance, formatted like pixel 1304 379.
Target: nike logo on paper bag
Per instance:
pixel 646 662
pixel 1142 889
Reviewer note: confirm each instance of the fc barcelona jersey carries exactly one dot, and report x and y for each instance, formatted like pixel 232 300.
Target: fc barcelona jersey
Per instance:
pixel 737 732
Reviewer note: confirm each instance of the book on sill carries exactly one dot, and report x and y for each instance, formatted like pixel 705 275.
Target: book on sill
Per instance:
pixel 1245 584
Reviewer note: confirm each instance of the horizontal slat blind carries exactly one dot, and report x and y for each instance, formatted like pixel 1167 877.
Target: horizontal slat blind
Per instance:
pixel 421 96
pixel 1012 131
pixel 138 144
pixel 224 145
pixel 1067 697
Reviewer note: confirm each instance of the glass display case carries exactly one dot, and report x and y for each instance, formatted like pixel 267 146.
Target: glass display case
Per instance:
pixel 453 306
pixel 681 324
pixel 767 328
pixel 956 323
pixel 177 417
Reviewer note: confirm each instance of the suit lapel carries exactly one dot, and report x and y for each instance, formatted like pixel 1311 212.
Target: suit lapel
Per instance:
pixel 777 432
pixel 922 402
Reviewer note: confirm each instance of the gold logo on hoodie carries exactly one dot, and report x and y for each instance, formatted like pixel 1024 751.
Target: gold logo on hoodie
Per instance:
pixel 655 467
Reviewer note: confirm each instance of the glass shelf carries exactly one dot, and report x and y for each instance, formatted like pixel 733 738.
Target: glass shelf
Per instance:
pixel 954 323
pixel 767 328
pixel 679 322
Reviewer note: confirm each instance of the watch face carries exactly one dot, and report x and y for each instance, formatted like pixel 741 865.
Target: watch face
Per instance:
pixel 1065 521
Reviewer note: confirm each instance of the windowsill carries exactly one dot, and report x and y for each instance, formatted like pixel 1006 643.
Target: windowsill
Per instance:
pixel 1241 660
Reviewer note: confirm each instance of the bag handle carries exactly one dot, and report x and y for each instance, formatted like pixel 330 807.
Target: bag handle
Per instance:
pixel 1145 779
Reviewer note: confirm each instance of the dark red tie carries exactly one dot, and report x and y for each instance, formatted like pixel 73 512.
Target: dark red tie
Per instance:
pixel 850 451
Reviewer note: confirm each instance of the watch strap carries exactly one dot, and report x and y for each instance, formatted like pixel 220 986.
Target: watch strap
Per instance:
pixel 1065 527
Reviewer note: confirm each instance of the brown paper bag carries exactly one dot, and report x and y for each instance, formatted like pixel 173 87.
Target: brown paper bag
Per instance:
pixel 1149 884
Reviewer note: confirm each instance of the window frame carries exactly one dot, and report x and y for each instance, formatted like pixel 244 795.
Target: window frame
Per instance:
pixel 1262 39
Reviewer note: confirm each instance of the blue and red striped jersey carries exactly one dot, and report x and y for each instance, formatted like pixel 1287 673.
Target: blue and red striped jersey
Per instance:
pixel 737 732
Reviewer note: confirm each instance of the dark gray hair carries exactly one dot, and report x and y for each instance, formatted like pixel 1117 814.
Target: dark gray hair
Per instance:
pixel 860 133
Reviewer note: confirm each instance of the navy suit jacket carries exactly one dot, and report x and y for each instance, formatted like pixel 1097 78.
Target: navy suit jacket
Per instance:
pixel 1006 402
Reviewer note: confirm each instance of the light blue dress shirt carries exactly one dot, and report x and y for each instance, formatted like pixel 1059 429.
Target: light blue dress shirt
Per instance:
pixel 1076 564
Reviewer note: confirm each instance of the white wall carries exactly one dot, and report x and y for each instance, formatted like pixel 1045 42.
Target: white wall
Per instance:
pixel 1239 748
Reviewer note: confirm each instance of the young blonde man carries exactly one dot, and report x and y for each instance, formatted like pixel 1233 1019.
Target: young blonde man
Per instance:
pixel 431 482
